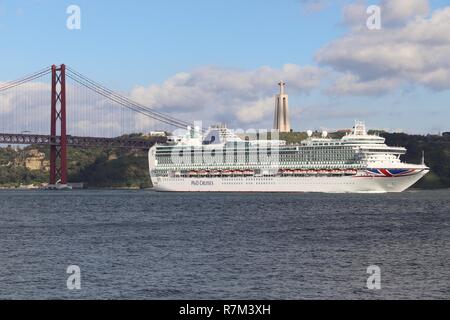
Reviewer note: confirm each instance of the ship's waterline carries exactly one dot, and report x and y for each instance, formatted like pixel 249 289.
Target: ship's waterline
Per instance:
pixel 357 184
pixel 220 161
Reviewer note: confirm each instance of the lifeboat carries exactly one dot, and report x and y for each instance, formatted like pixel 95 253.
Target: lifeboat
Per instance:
pixel 311 172
pixel 299 172
pixel 193 173
pixel 226 173
pixel 351 172
pixel 249 172
pixel 215 173
pixel 336 172
pixel 203 173
pixel 323 172
pixel 238 173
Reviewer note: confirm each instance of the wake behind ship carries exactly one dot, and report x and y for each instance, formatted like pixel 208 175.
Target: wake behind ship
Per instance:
pixel 220 161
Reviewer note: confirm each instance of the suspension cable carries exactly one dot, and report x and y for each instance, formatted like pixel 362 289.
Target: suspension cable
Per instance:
pixel 26 79
pixel 124 101
pixel 121 97
pixel 124 104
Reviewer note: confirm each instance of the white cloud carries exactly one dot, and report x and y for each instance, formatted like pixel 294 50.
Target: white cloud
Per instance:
pixel 27 108
pixel 411 49
pixel 393 12
pixel 231 95
pixel 6 105
pixel 378 61
pixel 311 113
pixel 12 98
pixel 144 124
pixel 350 84
pixel 398 11
pixel 354 14
pixel 255 111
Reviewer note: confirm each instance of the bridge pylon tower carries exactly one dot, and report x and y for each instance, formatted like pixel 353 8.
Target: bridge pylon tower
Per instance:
pixel 58 129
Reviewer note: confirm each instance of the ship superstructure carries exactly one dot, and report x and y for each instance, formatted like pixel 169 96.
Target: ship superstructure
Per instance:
pixel 222 161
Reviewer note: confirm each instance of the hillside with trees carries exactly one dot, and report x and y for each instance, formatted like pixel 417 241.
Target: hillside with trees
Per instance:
pixel 120 168
pixel 437 156
pixel 95 167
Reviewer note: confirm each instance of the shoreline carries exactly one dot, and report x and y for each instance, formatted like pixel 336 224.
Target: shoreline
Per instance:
pixel 146 189
pixel 93 188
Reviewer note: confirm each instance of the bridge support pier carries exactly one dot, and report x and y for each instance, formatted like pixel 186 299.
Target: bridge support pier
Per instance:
pixel 58 148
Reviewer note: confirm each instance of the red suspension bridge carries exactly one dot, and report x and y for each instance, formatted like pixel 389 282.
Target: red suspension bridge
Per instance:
pixel 59 107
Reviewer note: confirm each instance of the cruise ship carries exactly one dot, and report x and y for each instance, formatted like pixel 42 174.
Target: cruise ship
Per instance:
pixel 218 160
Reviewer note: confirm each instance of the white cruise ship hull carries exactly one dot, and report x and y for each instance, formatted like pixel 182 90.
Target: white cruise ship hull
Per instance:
pixel 221 161
pixel 361 183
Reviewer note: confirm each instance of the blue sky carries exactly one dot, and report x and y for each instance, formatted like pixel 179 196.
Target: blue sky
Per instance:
pixel 130 44
pixel 152 40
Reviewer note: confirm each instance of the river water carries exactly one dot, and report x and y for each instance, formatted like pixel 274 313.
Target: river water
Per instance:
pixel 148 245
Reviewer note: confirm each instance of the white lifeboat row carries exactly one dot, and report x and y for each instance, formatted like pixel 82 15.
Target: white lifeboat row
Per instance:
pixel 214 173
pixel 318 172
pixel 283 172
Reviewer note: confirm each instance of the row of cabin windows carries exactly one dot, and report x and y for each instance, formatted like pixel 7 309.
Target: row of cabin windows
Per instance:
pixel 252 150
pixel 246 158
